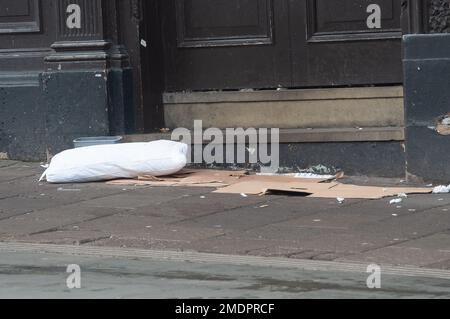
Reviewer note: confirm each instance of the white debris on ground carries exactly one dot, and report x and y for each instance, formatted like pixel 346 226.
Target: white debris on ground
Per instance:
pixel 320 169
pixel 276 174
pixel 316 172
pixel 446 120
pixel 340 200
pixel 299 175
pixel 403 195
pixel 442 189
pixel 396 201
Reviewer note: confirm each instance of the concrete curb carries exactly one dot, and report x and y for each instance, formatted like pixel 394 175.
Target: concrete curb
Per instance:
pixel 196 257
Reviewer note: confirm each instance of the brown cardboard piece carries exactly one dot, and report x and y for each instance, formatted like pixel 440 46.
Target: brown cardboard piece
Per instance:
pixel 256 187
pixel 366 192
pixel 239 182
pixel 210 178
pixel 193 178
pixel 319 190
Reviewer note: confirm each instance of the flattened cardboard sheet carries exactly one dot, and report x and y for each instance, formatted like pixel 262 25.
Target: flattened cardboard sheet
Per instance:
pixel 239 182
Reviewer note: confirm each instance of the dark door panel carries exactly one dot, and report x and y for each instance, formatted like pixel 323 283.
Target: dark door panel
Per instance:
pixel 206 23
pixel 236 44
pixel 339 47
pixel 347 19
pixel 226 44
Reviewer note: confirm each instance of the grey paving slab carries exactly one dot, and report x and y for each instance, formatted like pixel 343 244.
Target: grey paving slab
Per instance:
pixel 318 255
pixel 308 206
pixel 439 241
pixel 189 207
pixel 19 170
pixel 80 192
pixel 7 163
pixel 65 237
pixel 241 218
pixel 371 210
pixel 427 251
pixel 409 226
pixel 20 205
pixel 287 250
pixel 341 217
pixel 319 238
pixel 23 187
pixel 233 246
pixel 170 193
pixel 126 222
pixel 25 197
pixel 397 255
pixel 430 251
pixel 50 220
pixel 267 211
pixel 142 243
pixel 441 265
pixel 140 197
pixel 145 228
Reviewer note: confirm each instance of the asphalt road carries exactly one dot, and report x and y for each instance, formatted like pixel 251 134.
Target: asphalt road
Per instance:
pixel 43 275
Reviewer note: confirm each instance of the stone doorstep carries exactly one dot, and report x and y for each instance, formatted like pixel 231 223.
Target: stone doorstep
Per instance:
pixel 291 108
pixel 284 95
pixel 371 134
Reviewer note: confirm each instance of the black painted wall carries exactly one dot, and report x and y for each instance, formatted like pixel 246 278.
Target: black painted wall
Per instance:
pixel 427 98
pixel 22 118
pixel 57 84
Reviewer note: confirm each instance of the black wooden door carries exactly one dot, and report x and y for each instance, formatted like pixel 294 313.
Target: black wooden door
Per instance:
pixel 256 44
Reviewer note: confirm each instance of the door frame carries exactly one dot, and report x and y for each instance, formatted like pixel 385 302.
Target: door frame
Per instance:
pixel 152 66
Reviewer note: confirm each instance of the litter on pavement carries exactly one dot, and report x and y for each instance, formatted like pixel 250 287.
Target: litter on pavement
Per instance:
pixel 441 189
pixel 162 163
pixel 241 182
pixel 396 201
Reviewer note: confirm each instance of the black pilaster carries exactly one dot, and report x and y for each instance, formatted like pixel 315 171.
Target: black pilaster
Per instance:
pixel 87 87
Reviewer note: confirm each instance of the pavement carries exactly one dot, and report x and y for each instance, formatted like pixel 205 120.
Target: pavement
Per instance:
pixel 415 233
